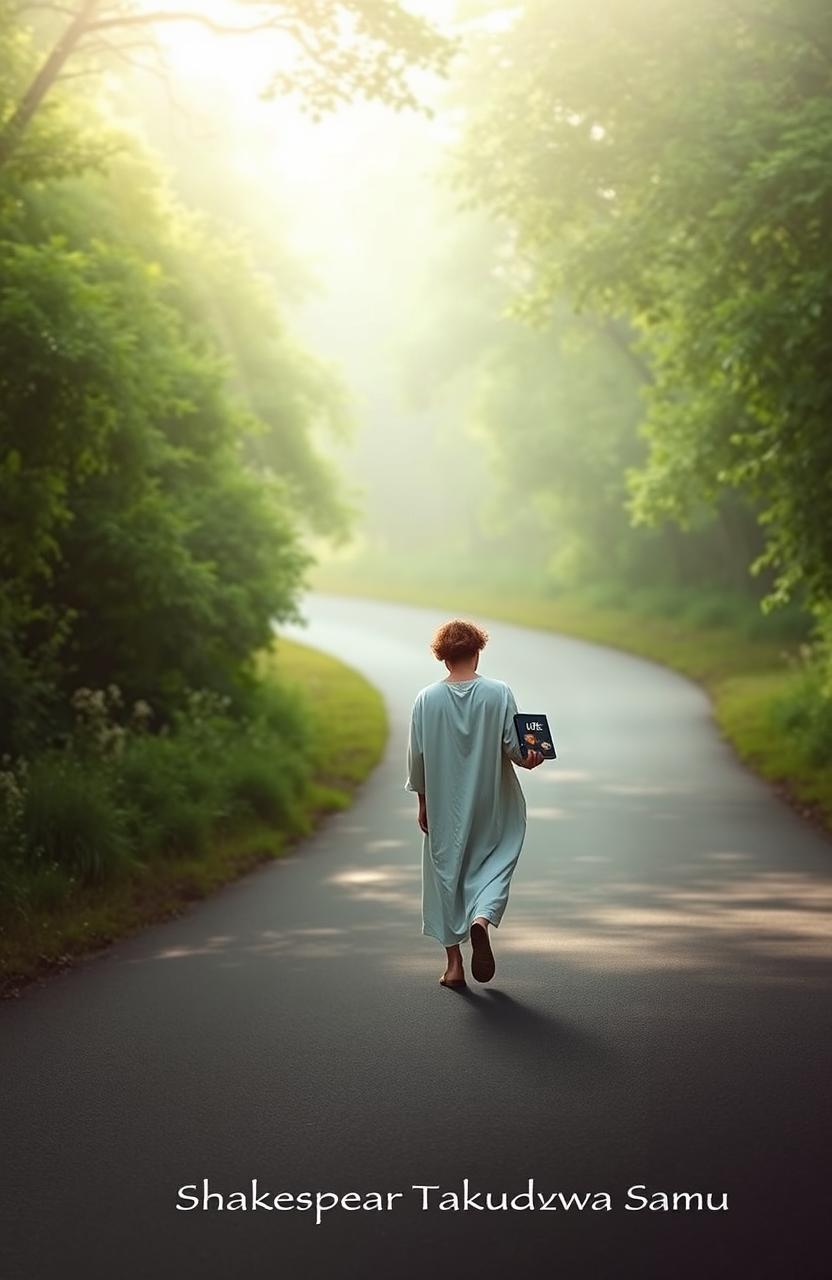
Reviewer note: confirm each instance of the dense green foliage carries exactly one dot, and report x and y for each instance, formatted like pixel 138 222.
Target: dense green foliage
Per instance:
pixel 668 168
pixel 157 474
pixel 127 825
pixel 122 795
pixel 139 545
pixel 554 411
pixel 156 463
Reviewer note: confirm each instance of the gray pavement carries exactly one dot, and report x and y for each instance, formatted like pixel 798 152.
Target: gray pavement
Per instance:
pixel 660 1018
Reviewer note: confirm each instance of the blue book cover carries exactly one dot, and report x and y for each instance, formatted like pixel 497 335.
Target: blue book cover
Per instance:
pixel 534 732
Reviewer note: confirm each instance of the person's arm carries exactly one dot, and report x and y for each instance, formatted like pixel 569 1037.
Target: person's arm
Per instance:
pixel 511 746
pixel 416 764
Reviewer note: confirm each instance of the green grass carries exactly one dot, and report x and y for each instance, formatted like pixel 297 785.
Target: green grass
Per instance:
pixel 763 704
pixel 747 711
pixel 351 709
pixel 189 820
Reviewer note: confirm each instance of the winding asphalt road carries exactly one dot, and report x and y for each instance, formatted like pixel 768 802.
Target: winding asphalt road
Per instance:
pixel 660 1018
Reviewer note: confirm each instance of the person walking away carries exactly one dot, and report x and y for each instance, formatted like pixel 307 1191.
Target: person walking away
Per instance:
pixel 462 752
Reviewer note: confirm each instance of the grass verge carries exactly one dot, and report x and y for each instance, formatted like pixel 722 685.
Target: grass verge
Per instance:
pixel 52 936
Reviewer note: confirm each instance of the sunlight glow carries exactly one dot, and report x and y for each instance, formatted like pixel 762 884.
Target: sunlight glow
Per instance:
pixel 197 51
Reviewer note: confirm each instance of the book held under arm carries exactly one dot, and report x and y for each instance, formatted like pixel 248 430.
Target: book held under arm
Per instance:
pixel 534 734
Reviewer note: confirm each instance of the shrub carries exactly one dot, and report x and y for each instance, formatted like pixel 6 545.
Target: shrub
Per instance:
pixel 47 885
pixel 789 624
pixel 183 827
pixel 70 818
pixel 266 783
pixel 273 709
pixel 86 812
pixel 174 790
pixel 805 712
pixel 604 595
pixel 155 769
pixel 718 609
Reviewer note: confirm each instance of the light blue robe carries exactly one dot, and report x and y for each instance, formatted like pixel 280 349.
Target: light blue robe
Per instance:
pixel 460 753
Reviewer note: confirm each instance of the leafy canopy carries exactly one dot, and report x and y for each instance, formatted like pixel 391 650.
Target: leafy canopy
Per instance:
pixel 670 164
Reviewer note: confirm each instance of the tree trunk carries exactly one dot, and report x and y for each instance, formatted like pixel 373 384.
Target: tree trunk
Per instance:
pixel 17 124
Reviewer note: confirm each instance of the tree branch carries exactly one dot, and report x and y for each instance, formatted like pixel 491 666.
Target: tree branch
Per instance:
pixel 219 28
pixel 76 75
pixel 51 8
pixel 50 69
pixel 123 51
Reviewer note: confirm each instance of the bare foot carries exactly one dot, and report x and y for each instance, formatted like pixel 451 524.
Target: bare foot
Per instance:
pixel 454 975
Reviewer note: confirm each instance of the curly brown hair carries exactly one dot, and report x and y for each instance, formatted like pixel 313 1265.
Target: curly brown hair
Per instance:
pixel 456 640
